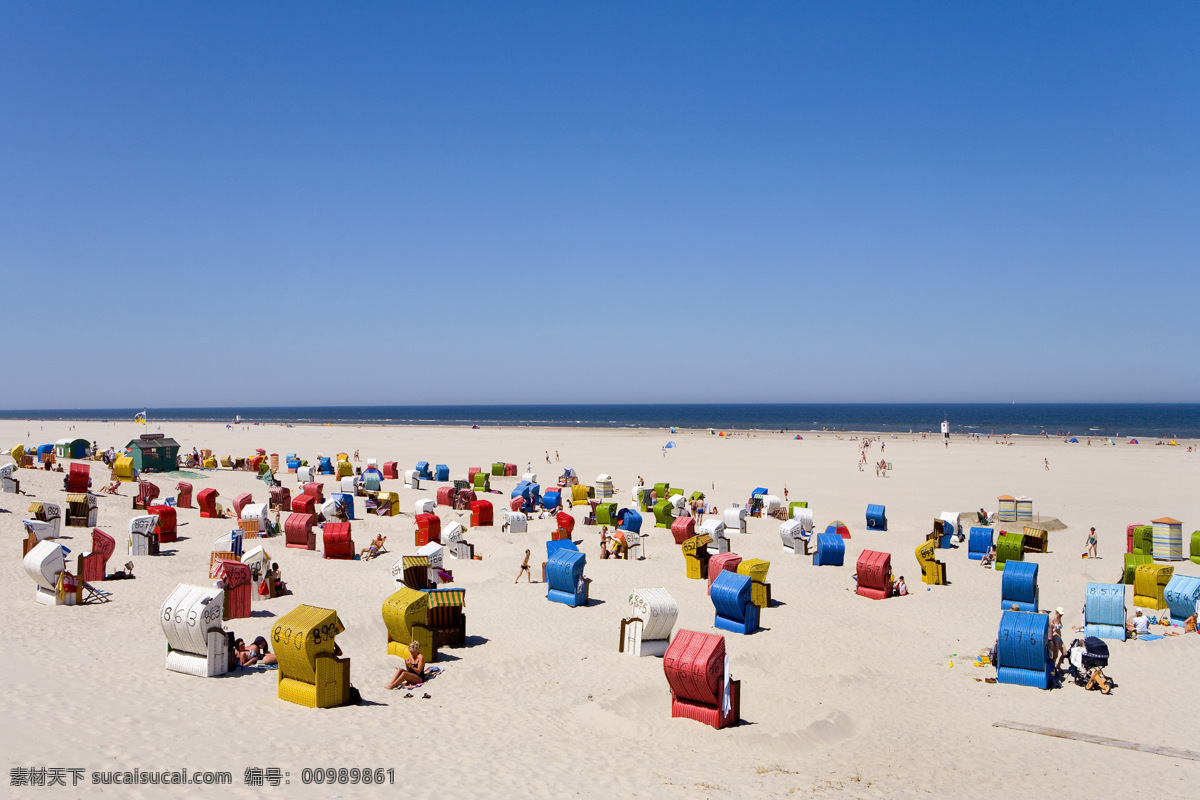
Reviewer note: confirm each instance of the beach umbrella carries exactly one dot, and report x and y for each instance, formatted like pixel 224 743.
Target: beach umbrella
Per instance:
pixel 838 527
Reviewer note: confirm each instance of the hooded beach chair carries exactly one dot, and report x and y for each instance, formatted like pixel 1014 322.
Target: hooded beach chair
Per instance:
pixel 191 622
pixel 647 629
pixel 309 672
pixel 697 671
pixel 731 599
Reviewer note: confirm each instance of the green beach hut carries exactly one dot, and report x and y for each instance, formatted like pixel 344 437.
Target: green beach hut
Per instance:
pixel 154 452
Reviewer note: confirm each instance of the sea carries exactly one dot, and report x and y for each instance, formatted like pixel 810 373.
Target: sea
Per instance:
pixel 1178 420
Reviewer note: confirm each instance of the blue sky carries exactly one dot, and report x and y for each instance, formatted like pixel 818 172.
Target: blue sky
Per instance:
pixel 376 203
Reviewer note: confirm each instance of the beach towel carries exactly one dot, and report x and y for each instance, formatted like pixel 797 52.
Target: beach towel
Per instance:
pixel 1148 637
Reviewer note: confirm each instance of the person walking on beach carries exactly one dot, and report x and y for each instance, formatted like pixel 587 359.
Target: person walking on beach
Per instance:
pixel 547 456
pixel 1091 544
pixel 1046 463
pixel 524 569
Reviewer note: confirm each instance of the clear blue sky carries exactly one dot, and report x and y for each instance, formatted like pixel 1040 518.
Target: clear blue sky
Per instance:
pixel 376 203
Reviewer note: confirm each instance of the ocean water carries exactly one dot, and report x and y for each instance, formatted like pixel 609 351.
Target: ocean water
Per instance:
pixel 1180 420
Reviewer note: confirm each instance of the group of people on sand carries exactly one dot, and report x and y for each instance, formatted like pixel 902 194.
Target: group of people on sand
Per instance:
pixel 256 652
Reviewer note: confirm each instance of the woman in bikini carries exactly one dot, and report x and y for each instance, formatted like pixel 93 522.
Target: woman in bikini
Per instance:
pixel 412 673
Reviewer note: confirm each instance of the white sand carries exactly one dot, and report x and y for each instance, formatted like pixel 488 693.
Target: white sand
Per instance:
pixel 842 696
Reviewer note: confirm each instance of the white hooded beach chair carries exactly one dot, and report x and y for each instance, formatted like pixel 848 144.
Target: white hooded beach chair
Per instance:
pixel 7 482
pixel 771 504
pixel 196 642
pixel 142 541
pixel 735 520
pixel 48 518
pixel 306 475
pixel 436 554
pixel 258 513
pixel 795 534
pixel 647 631
pixel 715 527
pixel 412 479
pixel 257 560
pixel 349 484
pixel 46 564
pixel 425 506
pixel 516 521
pixel 679 507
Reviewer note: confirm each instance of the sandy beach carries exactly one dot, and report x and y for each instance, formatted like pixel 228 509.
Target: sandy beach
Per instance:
pixel 841 696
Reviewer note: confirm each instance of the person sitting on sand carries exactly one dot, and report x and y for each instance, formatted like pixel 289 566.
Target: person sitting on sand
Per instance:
pixel 982 516
pixel 900 588
pixel 373 549
pixel 244 656
pixel 412 672
pixel 989 558
pixel 1139 625
pixel 524 570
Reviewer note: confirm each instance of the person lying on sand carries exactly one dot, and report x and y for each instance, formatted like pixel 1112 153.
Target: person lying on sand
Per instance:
pixel 373 549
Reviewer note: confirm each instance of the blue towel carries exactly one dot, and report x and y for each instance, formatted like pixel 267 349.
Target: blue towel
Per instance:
pixel 1149 637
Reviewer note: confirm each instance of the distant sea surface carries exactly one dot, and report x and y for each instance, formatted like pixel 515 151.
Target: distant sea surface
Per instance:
pixel 1081 419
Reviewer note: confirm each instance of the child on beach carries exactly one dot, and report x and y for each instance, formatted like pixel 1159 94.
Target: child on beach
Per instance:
pixel 524 570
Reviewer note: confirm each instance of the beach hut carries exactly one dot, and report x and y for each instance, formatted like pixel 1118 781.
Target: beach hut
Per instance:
pixel 721 562
pixel 696 555
pixel 1037 540
pixel 165 526
pixel 564 578
pixel 309 672
pixel 336 537
pixel 876 517
pixel 1022 651
pixel 72 448
pixel 481 514
pixel 933 571
pixel 298 531
pixel 93 565
pixel 1018 586
pixel 82 510
pixel 604 487
pixel 1024 509
pixel 1104 611
pixel 406 618
pixel 1132 562
pixel 734 610
pixel 1149 584
pixel 697 672
pixel 978 543
pixel 1007 509
pixel 238 589
pixel 760 590
pixel 154 452
pixel 683 528
pixel 831 550
pixel 429 529
pixel 647 629
pixel 197 644
pixel 1168 539
pixel 794 537
pixel 142 541
pixel 874 571
pixel 838 528
pixel 714 528
pixel 1182 595
pixel 46 565
pixel 514 521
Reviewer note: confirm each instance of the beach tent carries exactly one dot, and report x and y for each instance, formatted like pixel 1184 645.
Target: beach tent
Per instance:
pixel 1073 440
pixel 668 445
pixel 1133 441
pixel 839 528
